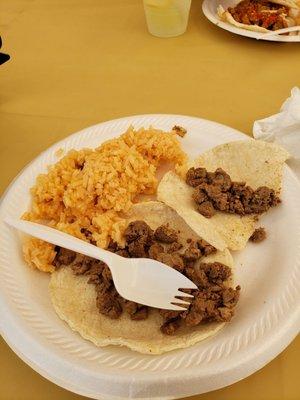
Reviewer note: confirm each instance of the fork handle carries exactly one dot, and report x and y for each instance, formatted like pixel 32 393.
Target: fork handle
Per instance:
pixel 281 31
pixel 62 239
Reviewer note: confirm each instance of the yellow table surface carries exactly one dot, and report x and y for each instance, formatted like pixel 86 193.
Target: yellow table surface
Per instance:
pixel 76 63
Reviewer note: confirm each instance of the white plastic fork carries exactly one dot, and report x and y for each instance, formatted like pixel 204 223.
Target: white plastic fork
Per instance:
pixel 142 280
pixel 280 32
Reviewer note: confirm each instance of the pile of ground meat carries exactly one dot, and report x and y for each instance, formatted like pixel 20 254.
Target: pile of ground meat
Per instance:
pixel 260 12
pixel 216 191
pixel 213 301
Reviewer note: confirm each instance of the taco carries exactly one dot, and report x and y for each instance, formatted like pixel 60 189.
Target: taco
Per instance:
pixel 262 15
pixel 221 194
pixel 83 295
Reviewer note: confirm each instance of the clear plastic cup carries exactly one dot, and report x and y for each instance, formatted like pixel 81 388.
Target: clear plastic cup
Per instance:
pixel 167 18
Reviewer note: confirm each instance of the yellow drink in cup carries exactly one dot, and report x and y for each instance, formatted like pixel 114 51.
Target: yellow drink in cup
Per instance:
pixel 167 18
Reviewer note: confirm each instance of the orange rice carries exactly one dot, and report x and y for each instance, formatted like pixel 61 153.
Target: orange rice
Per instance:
pixel 85 193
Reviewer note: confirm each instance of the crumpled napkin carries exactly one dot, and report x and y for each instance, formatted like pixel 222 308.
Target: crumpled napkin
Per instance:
pixel 284 128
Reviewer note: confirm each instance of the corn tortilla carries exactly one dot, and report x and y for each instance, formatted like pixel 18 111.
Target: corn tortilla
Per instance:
pixel 75 300
pixel 255 162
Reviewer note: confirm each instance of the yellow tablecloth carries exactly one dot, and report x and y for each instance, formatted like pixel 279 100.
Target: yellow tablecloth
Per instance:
pixel 76 63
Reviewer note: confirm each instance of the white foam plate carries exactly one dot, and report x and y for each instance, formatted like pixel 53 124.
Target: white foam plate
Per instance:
pixel 267 316
pixel 209 8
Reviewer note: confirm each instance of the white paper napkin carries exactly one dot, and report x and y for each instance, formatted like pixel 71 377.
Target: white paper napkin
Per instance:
pixel 284 129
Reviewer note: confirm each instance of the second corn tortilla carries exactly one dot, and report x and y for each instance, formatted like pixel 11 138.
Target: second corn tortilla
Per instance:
pixel 74 299
pixel 257 163
pixel 226 16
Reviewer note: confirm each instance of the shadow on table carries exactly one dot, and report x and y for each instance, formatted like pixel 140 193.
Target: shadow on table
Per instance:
pixel 3 57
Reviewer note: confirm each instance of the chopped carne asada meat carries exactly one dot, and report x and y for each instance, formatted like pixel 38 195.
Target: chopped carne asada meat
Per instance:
pixel 216 191
pixel 136 311
pixel 179 130
pixel 123 253
pixel 155 250
pixel 213 300
pixel 108 305
pixel 172 260
pixel 192 253
pixel 169 327
pixel 216 272
pixel 137 249
pixel 63 256
pixel 83 264
pixel 176 246
pixel 165 234
pixel 196 176
pixel 206 209
pixel 258 235
pixel 205 247
pixel 138 230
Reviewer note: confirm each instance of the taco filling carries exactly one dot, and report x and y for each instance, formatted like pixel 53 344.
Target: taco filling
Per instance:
pixel 262 13
pixel 215 191
pixel 213 301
